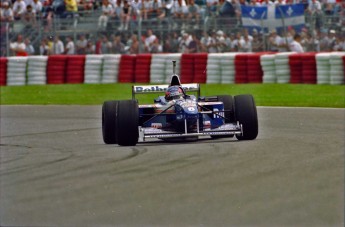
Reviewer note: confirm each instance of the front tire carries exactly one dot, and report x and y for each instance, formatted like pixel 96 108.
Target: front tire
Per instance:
pixel 246 114
pixel 127 123
pixel 109 112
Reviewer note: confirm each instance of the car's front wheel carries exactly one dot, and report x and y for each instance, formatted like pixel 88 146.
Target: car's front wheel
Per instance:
pixel 127 122
pixel 246 114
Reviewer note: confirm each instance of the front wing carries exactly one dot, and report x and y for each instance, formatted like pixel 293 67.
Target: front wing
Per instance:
pixel 226 129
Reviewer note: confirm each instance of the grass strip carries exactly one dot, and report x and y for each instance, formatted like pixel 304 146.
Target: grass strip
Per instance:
pixel 294 95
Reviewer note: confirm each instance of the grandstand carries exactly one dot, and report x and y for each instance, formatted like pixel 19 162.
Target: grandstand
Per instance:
pixel 174 25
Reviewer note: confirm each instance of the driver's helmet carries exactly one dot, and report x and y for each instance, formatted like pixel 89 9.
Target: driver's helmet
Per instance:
pixel 174 92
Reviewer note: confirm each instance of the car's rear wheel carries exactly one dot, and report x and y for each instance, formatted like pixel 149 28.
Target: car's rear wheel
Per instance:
pixel 109 110
pixel 246 114
pixel 127 122
pixel 229 112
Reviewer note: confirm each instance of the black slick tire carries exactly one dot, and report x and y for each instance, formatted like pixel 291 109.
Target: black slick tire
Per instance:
pixel 109 112
pixel 127 123
pixel 246 114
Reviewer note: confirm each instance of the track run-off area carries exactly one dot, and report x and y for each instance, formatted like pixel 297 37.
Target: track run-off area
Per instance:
pixel 55 170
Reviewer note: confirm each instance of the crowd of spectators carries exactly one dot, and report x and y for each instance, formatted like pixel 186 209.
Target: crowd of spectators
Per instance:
pixel 176 13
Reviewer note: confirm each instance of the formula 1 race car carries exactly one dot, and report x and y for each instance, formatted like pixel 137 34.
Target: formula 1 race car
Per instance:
pixel 178 115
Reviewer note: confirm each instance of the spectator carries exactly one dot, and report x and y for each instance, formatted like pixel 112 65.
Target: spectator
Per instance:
pixel 324 40
pixel 267 3
pixel 245 44
pixel 134 48
pixel 37 8
pixel 145 9
pixel 44 47
pixel 87 4
pixel 90 48
pixel 331 39
pixel 314 9
pixel 221 44
pixel 118 47
pixel 81 45
pixel 212 43
pixel 296 46
pixel 19 8
pixel 58 47
pixel 18 47
pixel 274 41
pixel 6 13
pixel 171 43
pixel 29 17
pixel 105 45
pixel 136 9
pixel 257 43
pixel 156 47
pixel 203 42
pixel 280 2
pixel 107 10
pixel 310 44
pixel 193 13
pixel 254 3
pixel 211 7
pixel 29 48
pixel 184 43
pixel 150 38
pixel 70 48
pixel 339 44
pixel 235 42
pixel 193 45
pixel 71 8
pixel 125 15
pixel 117 11
pixel 180 13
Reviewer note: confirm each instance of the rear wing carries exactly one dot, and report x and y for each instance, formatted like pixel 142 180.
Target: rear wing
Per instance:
pixel 145 89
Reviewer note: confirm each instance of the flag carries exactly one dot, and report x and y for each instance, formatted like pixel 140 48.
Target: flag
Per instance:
pixel 271 17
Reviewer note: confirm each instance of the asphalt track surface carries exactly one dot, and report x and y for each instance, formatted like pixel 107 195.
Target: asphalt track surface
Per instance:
pixel 56 171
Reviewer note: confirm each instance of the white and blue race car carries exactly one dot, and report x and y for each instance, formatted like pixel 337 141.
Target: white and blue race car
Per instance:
pixel 178 115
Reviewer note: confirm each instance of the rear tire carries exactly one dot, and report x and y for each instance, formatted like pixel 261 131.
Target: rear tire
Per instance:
pixel 229 114
pixel 246 114
pixel 127 123
pixel 109 111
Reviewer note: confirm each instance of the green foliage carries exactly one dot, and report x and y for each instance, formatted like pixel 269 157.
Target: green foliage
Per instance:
pixel 264 94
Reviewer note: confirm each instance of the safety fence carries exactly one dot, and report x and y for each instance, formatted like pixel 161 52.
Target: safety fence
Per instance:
pixel 221 68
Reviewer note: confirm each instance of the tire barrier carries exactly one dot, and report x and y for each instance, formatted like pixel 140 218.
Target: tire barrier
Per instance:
pixel 323 68
pixel 241 75
pixel 267 62
pixel 337 68
pixel 93 69
pixel 56 69
pixel 37 68
pixel 282 67
pixel 157 68
pixel 142 68
pixel 254 71
pixel 227 64
pixel 75 69
pixel 214 69
pixel 110 71
pixel 309 68
pixel 187 68
pixel 3 71
pixel 200 66
pixel 16 70
pixel 295 63
pixel 127 69
pixel 220 68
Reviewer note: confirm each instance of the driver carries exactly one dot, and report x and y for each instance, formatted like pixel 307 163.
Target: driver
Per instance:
pixel 174 92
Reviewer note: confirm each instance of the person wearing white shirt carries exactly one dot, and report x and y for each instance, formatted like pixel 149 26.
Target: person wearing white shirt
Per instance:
pixel 58 47
pixel 19 8
pixel 107 10
pixel 6 13
pixel 149 40
pixel 36 6
pixel 295 46
pixel 70 48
